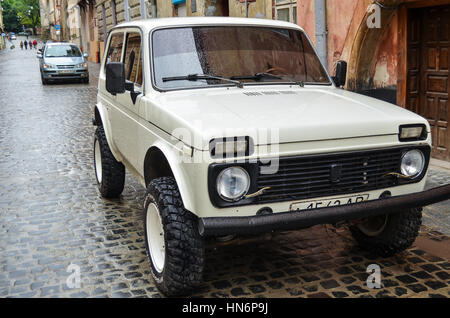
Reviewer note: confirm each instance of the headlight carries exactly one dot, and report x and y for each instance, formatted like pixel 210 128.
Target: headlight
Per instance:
pixel 47 66
pixel 233 184
pixel 412 132
pixel 82 65
pixel 413 163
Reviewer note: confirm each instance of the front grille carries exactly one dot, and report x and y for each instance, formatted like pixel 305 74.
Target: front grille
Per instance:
pixel 64 67
pixel 311 176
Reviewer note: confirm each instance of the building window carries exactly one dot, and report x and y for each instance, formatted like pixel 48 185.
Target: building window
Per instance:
pixel 113 7
pixel 286 10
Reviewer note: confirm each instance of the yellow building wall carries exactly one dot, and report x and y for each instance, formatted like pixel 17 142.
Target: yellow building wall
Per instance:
pixel 164 8
pixel 259 8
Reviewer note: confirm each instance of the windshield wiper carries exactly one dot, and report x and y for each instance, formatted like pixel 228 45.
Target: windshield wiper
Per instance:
pixel 255 77
pixel 196 77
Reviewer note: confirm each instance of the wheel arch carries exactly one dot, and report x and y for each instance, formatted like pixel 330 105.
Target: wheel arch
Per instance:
pixel 101 119
pixel 161 161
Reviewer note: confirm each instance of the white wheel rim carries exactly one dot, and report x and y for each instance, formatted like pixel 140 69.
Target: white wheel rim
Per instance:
pixel 155 238
pixel 98 161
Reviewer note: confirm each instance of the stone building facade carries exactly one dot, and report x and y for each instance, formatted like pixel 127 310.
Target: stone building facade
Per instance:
pixel 112 12
pixel 397 50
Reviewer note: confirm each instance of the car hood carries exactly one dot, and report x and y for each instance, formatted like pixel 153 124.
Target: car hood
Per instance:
pixel 287 114
pixel 63 60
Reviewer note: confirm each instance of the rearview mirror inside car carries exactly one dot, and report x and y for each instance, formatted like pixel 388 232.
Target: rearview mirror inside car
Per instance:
pixel 115 78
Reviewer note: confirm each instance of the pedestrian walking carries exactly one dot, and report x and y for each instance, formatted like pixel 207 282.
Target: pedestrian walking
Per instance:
pixel 35 44
pixel 21 45
pixel 31 44
pixel 26 45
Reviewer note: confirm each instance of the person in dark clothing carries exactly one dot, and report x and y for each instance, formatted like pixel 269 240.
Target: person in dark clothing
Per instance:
pixel 26 45
pixel 30 44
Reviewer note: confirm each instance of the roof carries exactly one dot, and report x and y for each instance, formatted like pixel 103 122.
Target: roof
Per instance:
pixel 60 43
pixel 198 21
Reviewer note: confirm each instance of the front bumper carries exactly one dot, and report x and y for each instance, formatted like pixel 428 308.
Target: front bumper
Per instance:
pixel 288 221
pixel 56 75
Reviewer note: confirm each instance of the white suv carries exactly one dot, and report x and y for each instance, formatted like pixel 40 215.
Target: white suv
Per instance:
pixel 235 128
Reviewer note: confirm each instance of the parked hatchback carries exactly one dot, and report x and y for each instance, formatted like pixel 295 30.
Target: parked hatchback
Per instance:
pixel 62 61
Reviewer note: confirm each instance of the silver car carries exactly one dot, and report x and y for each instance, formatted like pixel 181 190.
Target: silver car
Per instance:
pixel 62 61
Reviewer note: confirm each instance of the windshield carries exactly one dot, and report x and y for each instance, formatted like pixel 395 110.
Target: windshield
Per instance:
pixel 62 51
pixel 248 54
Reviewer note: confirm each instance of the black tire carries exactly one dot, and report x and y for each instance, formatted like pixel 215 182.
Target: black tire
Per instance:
pixel 112 172
pixel 182 270
pixel 86 80
pixel 44 81
pixel 399 233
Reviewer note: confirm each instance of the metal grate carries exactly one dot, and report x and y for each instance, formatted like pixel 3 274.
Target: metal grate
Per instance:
pixel 65 66
pixel 310 177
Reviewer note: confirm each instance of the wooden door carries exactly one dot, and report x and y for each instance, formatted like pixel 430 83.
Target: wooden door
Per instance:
pixel 428 72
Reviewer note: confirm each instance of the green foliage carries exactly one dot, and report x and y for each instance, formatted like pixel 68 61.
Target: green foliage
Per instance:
pixel 10 19
pixel 21 12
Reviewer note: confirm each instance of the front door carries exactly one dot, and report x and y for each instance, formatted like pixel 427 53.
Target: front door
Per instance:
pixel 428 72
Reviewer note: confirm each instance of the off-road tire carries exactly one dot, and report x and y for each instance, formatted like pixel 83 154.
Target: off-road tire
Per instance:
pixel 113 172
pixel 184 247
pixel 399 234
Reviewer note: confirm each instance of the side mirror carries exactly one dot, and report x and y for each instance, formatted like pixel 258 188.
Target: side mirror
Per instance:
pixel 341 74
pixel 39 55
pixel 115 78
pixel 85 55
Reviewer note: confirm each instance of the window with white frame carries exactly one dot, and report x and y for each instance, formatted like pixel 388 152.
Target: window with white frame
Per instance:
pixel 286 10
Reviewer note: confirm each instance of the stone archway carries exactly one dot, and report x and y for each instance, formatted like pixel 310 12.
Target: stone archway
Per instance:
pixel 364 46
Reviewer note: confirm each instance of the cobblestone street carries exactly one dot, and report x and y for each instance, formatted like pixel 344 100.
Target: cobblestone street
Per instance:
pixel 51 216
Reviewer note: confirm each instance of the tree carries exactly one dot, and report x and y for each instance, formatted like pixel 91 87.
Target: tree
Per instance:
pixel 10 19
pixel 29 13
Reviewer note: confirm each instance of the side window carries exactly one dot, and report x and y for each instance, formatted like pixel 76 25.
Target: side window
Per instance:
pixel 115 48
pixel 133 58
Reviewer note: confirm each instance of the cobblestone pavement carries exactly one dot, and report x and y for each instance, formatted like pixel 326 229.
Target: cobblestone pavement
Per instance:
pixel 51 216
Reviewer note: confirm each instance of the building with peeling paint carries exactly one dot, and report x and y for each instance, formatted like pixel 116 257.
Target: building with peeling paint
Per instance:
pixel 397 50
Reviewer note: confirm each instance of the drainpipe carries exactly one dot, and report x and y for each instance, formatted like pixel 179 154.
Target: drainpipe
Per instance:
pixel 246 8
pixel 321 30
pixel 153 9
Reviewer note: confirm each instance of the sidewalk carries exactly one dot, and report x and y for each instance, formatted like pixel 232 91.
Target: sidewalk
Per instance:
pixel 437 216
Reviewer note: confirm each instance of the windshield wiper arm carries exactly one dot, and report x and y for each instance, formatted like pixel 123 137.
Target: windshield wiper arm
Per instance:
pixel 196 77
pixel 256 77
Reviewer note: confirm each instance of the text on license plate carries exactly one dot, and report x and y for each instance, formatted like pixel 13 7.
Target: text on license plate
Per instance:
pixel 308 205
pixel 65 71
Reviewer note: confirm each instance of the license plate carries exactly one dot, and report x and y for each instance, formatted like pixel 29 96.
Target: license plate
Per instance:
pixel 309 205
pixel 65 72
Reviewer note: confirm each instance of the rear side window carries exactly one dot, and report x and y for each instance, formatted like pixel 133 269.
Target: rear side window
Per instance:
pixel 115 48
pixel 133 58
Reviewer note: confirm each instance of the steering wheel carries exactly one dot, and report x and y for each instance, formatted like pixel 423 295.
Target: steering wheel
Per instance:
pixel 277 69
